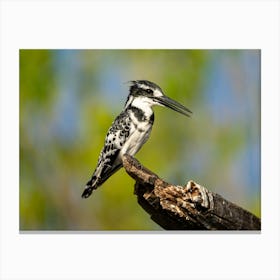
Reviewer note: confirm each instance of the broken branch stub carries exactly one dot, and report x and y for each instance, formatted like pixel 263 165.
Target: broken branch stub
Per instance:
pixel 189 207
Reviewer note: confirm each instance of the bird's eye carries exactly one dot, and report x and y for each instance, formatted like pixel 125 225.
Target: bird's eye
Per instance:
pixel 149 91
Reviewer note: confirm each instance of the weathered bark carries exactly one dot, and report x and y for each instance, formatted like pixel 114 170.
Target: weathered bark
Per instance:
pixel 190 207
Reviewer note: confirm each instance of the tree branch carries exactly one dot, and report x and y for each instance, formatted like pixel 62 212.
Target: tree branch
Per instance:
pixel 190 207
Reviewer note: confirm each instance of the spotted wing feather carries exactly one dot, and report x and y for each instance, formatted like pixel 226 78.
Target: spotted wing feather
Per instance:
pixel 109 160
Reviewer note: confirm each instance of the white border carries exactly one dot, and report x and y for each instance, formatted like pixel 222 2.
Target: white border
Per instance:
pixel 156 24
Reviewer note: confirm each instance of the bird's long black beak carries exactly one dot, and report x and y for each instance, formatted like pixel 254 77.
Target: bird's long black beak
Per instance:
pixel 174 105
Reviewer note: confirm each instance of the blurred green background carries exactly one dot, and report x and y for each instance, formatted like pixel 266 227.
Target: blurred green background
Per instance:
pixel 69 98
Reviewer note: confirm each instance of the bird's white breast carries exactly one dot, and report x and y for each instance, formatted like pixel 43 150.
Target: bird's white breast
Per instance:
pixel 139 134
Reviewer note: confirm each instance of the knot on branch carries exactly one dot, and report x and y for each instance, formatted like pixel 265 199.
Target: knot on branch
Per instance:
pixel 185 207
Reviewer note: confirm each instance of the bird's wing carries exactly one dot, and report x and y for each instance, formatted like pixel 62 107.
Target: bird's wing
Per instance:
pixel 109 159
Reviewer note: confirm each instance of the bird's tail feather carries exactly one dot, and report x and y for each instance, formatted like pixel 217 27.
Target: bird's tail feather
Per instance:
pixel 90 186
pixel 97 180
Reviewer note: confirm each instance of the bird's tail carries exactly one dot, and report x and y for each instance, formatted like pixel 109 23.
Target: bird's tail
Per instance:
pixel 90 186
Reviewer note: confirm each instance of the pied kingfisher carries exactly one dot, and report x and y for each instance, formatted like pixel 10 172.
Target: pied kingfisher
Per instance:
pixel 130 130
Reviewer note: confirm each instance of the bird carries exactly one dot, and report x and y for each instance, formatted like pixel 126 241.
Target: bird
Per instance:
pixel 130 130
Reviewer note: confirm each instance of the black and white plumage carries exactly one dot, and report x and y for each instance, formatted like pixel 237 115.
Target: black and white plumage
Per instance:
pixel 130 130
